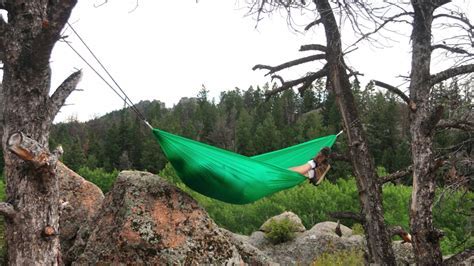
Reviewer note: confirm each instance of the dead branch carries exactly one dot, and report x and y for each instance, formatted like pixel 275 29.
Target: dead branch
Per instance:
pixel 279 78
pixel 313 47
pixel 397 91
pixel 381 26
pixel 460 257
pixel 457 124
pixel 31 151
pixel 398 230
pixel 348 215
pixel 460 17
pixel 398 174
pixel 450 73
pixel 3 29
pixel 7 210
pixel 62 92
pixel 312 24
pixel 455 50
pixel 308 79
pixel 296 62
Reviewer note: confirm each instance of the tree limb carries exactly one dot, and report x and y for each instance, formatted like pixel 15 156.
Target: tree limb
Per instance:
pixel 3 29
pixel 397 91
pixel 460 257
pixel 398 230
pixel 62 92
pixel 312 24
pixel 57 15
pixel 313 47
pixel 308 79
pixel 7 210
pixel 348 215
pixel 457 124
pixel 460 18
pixel 31 151
pixel 296 62
pixel 455 50
pixel 398 174
pixel 450 73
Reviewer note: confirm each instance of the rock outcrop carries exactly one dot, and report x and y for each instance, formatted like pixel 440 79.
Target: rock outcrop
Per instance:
pixel 145 220
pixel 80 202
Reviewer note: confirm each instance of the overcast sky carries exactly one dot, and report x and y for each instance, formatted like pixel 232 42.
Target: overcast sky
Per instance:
pixel 166 50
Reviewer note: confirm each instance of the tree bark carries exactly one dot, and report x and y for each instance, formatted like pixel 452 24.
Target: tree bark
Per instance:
pixel 425 237
pixel 370 190
pixel 28 38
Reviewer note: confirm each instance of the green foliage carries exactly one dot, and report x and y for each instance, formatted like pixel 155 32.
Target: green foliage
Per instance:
pixel 357 229
pixel 280 231
pixel 104 180
pixel 341 258
pixel 313 204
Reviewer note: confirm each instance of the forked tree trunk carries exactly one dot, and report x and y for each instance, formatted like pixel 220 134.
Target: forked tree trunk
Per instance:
pixel 369 186
pixel 32 207
pixel 423 120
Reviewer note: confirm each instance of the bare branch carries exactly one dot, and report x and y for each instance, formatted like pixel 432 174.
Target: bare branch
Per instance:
pixel 311 47
pixel 3 29
pixel 63 91
pixel 398 230
pixel 459 17
pixel 455 50
pixel 312 24
pixel 348 215
pixel 381 26
pixel 304 80
pixel 450 73
pixel 460 257
pixel 7 210
pixel 398 174
pixel 296 62
pixel 279 78
pixel 457 124
pixel 397 91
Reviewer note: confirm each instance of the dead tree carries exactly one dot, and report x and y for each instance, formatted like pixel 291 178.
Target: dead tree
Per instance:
pixel 27 38
pixel 424 115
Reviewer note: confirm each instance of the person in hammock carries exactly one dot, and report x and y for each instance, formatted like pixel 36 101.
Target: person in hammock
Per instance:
pixel 316 168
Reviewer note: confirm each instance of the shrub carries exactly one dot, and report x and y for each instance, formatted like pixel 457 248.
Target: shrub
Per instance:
pixel 99 177
pixel 280 231
pixel 342 258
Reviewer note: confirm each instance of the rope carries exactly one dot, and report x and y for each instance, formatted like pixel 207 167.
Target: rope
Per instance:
pixel 123 97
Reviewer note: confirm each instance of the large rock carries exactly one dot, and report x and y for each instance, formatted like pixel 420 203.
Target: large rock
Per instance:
pixel 80 199
pixel 299 227
pixel 309 245
pixel 145 220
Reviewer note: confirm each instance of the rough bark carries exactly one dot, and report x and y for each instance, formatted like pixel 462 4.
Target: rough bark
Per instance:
pixel 425 236
pixel 370 191
pixel 28 38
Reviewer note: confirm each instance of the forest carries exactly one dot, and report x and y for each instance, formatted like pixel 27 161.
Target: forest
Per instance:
pixel 249 123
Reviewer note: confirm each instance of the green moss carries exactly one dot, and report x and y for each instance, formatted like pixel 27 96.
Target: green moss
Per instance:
pixel 341 258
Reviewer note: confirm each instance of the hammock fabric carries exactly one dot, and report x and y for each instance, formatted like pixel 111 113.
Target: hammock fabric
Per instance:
pixel 234 178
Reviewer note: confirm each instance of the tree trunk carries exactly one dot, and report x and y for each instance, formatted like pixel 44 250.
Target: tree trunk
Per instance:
pixel 370 191
pixel 32 190
pixel 423 120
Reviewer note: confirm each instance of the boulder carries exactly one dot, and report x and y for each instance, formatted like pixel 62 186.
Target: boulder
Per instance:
pixel 80 202
pixel 145 220
pixel 299 227
pixel 403 253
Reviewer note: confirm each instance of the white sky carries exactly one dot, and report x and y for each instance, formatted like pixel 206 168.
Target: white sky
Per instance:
pixel 166 50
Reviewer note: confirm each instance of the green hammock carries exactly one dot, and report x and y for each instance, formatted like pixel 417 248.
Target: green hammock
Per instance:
pixel 232 177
